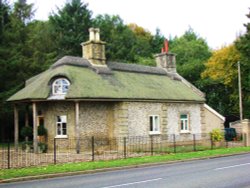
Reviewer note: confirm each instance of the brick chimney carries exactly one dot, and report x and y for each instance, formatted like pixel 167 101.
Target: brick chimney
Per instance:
pixel 166 59
pixel 94 49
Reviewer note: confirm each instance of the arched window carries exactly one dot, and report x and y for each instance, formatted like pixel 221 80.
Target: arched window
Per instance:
pixel 60 86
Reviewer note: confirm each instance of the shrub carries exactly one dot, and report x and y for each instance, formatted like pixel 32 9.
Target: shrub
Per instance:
pixel 27 131
pixel 43 147
pixel 41 130
pixel 27 145
pixel 216 135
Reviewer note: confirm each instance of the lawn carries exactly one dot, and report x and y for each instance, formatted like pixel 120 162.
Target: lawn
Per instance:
pixel 84 166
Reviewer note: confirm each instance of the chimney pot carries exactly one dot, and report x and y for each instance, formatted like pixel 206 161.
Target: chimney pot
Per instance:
pixel 165 59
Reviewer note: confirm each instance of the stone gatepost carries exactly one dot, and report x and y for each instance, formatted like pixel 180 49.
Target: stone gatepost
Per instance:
pixel 246 131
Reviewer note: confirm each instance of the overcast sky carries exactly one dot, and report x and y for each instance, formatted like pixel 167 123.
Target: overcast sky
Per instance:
pixel 217 21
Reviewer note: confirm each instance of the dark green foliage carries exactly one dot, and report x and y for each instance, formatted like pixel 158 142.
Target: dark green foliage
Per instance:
pixel 70 27
pixel 192 51
pixel 120 40
pixel 243 45
pixel 26 131
pixel 43 147
pixel 41 130
pixel 125 44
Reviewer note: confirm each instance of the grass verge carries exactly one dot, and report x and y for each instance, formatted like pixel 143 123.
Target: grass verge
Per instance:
pixel 84 166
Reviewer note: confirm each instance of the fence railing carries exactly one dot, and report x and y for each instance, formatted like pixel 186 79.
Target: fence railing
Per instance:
pixel 99 148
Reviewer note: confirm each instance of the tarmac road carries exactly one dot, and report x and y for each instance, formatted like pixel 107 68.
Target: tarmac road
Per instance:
pixel 233 171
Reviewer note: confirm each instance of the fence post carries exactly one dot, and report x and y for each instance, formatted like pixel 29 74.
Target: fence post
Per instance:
pixel 78 146
pixel 152 145
pixel 174 143
pixel 194 141
pixel 125 147
pixel 93 147
pixel 8 153
pixel 54 150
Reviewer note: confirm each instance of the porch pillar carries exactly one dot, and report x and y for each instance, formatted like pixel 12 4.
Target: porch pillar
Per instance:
pixel 77 127
pixel 16 126
pixel 34 127
pixel 26 119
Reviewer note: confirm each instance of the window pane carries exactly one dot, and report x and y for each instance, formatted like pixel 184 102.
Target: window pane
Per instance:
pixel 59 119
pixel 57 82
pixel 64 82
pixel 58 129
pixel 182 125
pixel 61 125
pixel 56 89
pixel 64 125
pixel 184 116
pixel 64 131
pixel 186 125
pixel 64 119
pixel 60 86
pixel 65 88
pixel 156 123
pixel 151 123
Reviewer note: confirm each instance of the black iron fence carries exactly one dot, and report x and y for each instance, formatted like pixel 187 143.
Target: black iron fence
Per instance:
pixel 61 150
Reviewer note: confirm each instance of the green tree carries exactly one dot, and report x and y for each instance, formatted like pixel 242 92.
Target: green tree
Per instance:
pixel 157 42
pixel 192 51
pixel 220 80
pixel 243 46
pixel 120 40
pixel 14 54
pixel 41 46
pixel 70 27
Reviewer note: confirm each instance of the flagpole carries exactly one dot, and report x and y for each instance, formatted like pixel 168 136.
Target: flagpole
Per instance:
pixel 240 95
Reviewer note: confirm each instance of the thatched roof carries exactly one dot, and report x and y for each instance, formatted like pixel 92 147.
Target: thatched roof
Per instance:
pixel 116 81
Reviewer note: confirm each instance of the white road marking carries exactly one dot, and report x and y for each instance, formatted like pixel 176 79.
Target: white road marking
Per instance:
pixel 137 182
pixel 232 166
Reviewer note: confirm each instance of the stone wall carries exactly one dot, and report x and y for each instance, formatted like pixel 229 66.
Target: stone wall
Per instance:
pixel 174 110
pixel 213 120
pixel 237 125
pixel 96 119
pixel 123 119
pixel 50 111
pixel 138 117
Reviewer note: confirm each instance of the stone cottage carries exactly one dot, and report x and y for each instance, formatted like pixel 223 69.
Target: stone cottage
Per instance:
pixel 88 96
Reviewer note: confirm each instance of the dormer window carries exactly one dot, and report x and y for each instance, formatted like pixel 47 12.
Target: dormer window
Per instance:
pixel 60 86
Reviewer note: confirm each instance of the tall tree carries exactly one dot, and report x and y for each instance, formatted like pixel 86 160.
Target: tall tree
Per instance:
pixel 220 79
pixel 192 51
pixel 120 40
pixel 70 27
pixel 41 46
pixel 243 45
pixel 14 61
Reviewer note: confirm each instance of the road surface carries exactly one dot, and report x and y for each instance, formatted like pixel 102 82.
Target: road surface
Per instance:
pixel 233 171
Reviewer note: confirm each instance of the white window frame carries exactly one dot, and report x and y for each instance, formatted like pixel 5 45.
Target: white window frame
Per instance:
pixel 60 121
pixel 184 123
pixel 154 124
pixel 60 85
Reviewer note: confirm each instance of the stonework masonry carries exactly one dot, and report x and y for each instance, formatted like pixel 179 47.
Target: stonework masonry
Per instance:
pixel 96 119
pixel 211 121
pixel 173 115
pixel 138 117
pixel 50 111
pixel 126 119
